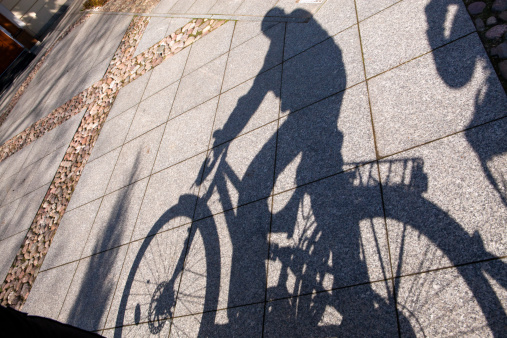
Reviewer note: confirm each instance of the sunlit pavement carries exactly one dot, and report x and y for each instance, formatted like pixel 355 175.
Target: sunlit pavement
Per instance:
pixel 307 169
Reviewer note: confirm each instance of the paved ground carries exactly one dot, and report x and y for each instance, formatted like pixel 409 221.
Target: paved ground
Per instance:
pixel 355 182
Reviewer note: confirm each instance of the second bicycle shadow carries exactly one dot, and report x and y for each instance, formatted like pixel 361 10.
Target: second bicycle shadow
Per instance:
pixel 287 233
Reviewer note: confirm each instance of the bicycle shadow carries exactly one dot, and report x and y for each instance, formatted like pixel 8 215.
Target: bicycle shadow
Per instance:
pixel 315 258
pixel 320 246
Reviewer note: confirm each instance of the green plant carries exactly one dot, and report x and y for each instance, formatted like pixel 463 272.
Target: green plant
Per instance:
pixel 94 3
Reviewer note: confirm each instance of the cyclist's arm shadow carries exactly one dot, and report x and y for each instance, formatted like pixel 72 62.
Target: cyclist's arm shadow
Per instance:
pixel 247 105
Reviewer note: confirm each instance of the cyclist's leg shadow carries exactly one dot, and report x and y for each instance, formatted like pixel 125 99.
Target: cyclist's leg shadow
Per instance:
pixel 325 257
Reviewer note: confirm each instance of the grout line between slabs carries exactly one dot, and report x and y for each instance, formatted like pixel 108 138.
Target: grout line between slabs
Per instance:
pixel 378 173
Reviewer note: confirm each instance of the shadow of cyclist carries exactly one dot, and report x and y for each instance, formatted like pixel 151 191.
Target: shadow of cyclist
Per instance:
pixel 321 220
pixel 322 258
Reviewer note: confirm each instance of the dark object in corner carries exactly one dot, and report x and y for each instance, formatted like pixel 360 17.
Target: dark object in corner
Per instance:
pixel 14 323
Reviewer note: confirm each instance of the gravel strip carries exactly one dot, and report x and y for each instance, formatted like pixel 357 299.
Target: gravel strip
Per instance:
pixel 98 101
pixel 490 19
pixel 131 6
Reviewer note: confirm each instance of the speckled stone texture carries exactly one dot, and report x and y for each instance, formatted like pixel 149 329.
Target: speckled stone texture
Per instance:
pixel 344 203
pixel 36 68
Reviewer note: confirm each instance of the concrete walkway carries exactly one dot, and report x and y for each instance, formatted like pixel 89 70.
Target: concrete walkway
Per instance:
pixel 345 176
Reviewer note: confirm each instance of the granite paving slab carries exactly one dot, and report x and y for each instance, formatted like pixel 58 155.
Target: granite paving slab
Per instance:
pixel 164 6
pixel 10 247
pixel 249 7
pixel 445 302
pixel 143 274
pixel 156 31
pixel 254 56
pixel 333 17
pixel 7 212
pixel 205 50
pixel 96 72
pixel 107 33
pixel 21 182
pixel 259 97
pixel 454 215
pixel 167 73
pixel 181 6
pixel 71 237
pixel 321 71
pixel 52 286
pixel 327 240
pixel 311 7
pixel 138 330
pixel 34 176
pixel 250 162
pixel 132 6
pixel 56 138
pixel 163 192
pixel 158 28
pixel 324 139
pixel 45 169
pixel 129 96
pixel 201 6
pixel 113 133
pixel 14 163
pixel 186 135
pixel 136 159
pixel 22 212
pixel 210 76
pixel 115 219
pixel 246 30
pixel 92 289
pixel 248 323
pixel 367 8
pixel 406 30
pixel 5 185
pixel 366 310
pixel 237 9
pixel 152 112
pixel 226 6
pixel 354 122
pixel 437 100
pixel 94 179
